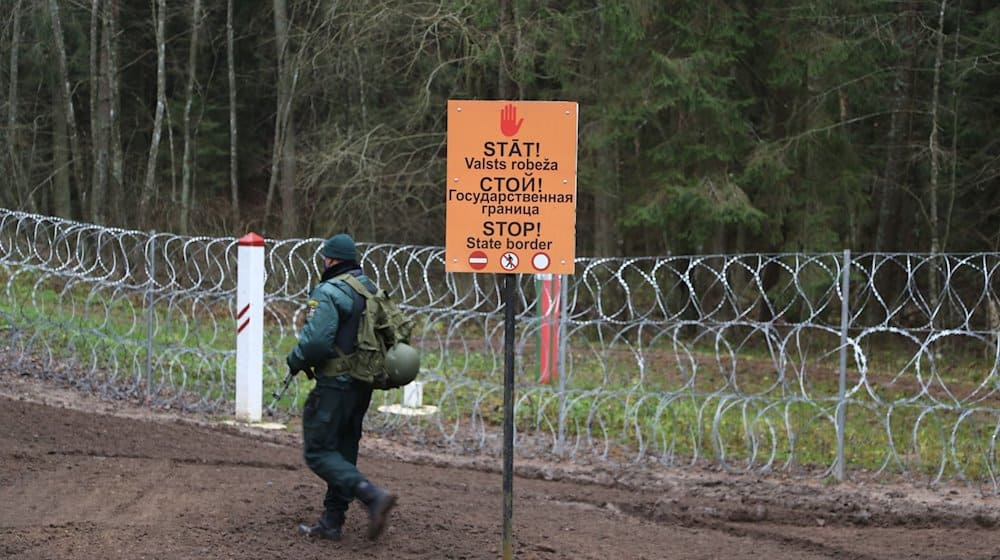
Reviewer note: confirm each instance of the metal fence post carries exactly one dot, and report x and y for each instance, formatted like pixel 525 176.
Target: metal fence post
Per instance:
pixel 845 319
pixel 561 360
pixel 150 284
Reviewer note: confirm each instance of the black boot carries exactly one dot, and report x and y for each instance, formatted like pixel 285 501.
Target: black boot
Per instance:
pixel 379 503
pixel 329 527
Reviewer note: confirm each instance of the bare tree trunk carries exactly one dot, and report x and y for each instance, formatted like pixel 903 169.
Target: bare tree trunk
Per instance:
pixel 281 41
pixel 853 230
pixel 149 185
pixel 275 154
pixel 890 182
pixel 20 188
pixel 933 146
pixel 117 183
pixel 99 114
pixel 233 171
pixel 95 6
pixel 62 197
pixel 283 165
pixel 935 151
pixel 105 129
pixel 289 169
pixel 66 95
pixel 171 151
pixel 186 164
pixel 504 86
pixel 952 184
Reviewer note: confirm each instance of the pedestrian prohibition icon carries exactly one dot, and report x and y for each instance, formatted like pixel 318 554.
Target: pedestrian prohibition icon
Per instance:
pixel 509 261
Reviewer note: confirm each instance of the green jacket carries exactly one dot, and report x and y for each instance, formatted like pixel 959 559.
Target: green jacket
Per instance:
pixel 331 304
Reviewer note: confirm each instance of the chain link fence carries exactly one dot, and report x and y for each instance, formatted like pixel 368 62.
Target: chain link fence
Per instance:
pixel 863 366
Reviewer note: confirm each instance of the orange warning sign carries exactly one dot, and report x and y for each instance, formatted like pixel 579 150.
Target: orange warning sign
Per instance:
pixel 511 195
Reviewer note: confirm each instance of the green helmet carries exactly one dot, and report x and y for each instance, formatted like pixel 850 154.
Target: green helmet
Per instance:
pixel 402 363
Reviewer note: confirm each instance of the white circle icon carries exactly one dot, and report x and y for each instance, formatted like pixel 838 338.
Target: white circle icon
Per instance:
pixel 540 261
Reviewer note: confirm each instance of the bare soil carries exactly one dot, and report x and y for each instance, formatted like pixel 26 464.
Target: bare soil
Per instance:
pixel 82 477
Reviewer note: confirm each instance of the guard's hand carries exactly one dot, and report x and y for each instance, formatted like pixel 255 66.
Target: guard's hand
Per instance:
pixel 294 369
pixel 294 366
pixel 308 371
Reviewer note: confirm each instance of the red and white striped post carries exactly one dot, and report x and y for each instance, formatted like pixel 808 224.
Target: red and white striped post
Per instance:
pixel 549 305
pixel 250 328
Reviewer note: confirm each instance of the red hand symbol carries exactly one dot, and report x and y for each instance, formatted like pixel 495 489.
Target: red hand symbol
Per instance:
pixel 509 124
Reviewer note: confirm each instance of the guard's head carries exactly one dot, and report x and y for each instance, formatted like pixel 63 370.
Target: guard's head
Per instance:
pixel 340 247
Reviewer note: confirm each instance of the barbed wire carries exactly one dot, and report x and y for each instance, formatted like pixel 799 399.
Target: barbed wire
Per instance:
pixel 731 360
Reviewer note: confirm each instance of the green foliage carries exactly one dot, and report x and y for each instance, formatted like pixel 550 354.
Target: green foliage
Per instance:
pixel 704 126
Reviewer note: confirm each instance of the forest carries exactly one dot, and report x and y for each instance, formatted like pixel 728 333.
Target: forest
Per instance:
pixel 708 126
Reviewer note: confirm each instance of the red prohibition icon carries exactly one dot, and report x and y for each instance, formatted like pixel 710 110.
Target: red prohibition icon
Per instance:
pixel 478 260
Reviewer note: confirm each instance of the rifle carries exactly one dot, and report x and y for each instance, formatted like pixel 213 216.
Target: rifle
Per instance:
pixel 278 394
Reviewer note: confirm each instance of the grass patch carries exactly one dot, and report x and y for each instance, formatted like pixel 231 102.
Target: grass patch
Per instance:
pixel 678 394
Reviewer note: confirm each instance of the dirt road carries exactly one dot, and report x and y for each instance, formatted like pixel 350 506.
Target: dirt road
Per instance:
pixel 85 478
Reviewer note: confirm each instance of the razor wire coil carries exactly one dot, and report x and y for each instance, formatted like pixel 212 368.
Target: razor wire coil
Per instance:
pixel 725 359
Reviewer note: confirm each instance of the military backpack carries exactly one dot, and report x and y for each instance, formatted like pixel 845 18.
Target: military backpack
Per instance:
pixel 383 353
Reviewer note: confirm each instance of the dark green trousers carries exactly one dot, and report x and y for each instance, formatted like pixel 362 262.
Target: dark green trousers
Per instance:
pixel 331 432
